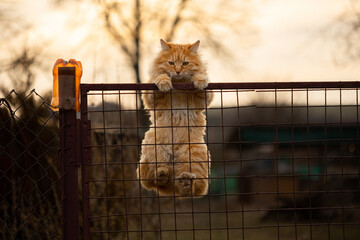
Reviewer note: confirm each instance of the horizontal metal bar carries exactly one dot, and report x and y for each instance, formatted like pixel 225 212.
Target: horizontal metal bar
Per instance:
pixel 231 85
pixel 227 228
pixel 221 211
pixel 250 177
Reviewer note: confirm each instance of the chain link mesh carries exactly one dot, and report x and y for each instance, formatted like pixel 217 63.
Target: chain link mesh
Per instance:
pixel 30 196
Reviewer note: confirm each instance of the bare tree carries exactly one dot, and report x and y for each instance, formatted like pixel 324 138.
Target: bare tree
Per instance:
pixel 20 70
pixel 130 22
pixel 17 62
pixel 345 30
pixel 9 21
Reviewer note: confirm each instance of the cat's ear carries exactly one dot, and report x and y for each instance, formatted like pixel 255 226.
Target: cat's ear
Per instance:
pixel 194 47
pixel 164 45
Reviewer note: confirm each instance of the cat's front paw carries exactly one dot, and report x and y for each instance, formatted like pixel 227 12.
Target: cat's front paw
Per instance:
pixel 185 183
pixel 163 82
pixel 200 81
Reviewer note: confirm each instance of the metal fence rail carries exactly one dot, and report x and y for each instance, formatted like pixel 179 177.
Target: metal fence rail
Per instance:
pixel 285 164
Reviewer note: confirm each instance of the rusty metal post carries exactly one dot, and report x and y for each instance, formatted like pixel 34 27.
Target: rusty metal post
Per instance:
pixel 69 161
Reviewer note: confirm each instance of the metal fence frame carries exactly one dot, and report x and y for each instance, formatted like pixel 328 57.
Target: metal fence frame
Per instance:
pixel 85 126
pixel 74 154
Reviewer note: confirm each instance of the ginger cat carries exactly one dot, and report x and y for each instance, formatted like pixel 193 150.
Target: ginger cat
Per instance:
pixel 174 158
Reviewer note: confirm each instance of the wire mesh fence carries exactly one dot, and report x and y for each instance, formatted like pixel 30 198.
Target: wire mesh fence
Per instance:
pixel 284 162
pixel 30 193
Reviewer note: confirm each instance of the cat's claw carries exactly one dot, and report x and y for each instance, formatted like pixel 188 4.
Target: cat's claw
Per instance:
pixel 164 84
pixel 200 85
pixel 185 183
pixel 200 81
pixel 163 176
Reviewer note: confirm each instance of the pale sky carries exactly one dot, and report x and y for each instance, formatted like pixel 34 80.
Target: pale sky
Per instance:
pixel 291 45
pixel 289 48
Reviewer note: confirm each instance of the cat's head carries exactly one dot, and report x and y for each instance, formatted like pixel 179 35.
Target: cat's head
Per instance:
pixel 179 61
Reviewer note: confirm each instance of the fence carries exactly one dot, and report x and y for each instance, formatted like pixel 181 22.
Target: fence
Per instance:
pixel 30 190
pixel 284 165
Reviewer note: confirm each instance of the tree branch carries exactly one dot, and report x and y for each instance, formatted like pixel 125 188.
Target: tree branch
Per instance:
pixel 117 36
pixel 177 20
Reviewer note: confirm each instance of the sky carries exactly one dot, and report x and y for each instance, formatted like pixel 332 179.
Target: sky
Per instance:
pixel 292 46
pixel 289 46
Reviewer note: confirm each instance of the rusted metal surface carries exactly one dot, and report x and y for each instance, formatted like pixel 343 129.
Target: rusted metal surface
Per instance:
pixel 230 85
pixel 69 156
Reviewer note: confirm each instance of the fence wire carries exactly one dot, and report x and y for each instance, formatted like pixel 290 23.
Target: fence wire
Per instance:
pixel 284 165
pixel 30 194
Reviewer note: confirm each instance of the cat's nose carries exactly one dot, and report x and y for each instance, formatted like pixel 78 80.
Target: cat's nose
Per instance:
pixel 178 72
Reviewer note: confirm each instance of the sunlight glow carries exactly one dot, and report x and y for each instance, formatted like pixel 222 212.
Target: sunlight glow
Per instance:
pixel 289 46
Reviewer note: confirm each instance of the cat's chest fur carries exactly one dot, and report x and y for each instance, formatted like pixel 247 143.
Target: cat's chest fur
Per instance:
pixel 179 100
pixel 178 109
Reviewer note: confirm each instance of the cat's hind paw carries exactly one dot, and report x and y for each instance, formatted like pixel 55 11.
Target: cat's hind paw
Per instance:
pixel 162 176
pixel 185 183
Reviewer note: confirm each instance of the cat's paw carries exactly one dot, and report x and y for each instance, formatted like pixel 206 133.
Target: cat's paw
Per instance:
pixel 147 180
pixel 163 82
pixel 162 176
pixel 200 81
pixel 185 183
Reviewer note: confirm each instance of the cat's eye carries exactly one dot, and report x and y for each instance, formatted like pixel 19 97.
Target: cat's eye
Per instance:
pixel 185 63
pixel 171 63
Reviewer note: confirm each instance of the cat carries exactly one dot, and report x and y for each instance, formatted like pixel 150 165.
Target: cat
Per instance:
pixel 174 157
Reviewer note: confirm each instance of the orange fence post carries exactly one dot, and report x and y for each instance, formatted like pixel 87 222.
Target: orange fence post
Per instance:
pixel 78 73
